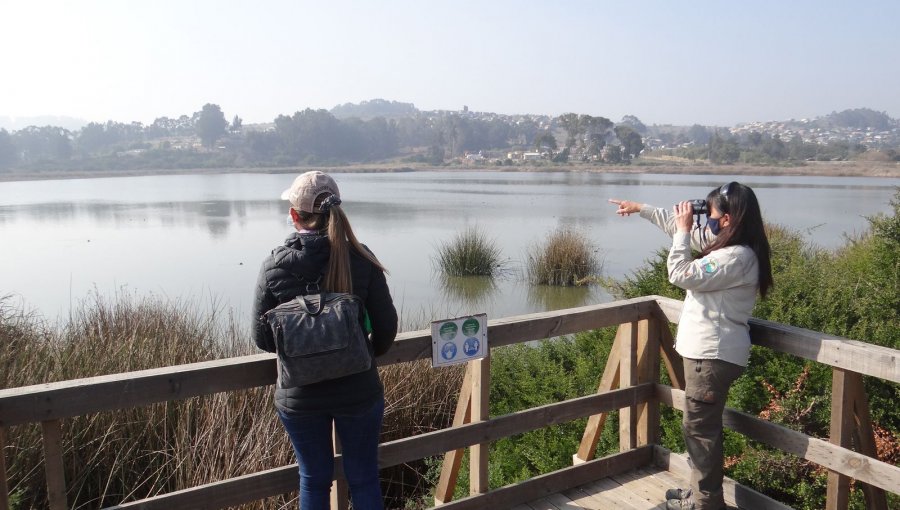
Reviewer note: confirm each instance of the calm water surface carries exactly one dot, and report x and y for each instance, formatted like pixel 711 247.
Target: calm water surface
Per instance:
pixel 201 238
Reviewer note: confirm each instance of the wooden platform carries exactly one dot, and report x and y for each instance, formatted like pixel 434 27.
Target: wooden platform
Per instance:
pixel 643 489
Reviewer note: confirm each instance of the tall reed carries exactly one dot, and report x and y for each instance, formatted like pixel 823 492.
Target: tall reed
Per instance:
pixel 565 257
pixel 470 253
pixel 112 457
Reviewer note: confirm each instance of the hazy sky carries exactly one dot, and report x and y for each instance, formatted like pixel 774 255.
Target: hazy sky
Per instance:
pixel 708 62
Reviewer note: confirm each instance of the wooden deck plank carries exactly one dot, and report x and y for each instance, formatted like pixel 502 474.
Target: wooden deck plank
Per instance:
pixel 564 502
pixel 596 500
pixel 542 504
pixel 620 494
pixel 643 485
pixel 640 489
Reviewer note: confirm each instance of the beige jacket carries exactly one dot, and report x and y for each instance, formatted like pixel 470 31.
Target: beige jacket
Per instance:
pixel 721 292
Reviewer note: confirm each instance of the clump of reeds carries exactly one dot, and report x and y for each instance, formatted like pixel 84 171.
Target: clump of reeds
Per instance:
pixel 566 257
pixel 470 253
pixel 119 456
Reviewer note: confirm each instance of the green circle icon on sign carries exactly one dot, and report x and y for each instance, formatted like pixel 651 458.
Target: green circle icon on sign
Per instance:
pixel 448 330
pixel 470 327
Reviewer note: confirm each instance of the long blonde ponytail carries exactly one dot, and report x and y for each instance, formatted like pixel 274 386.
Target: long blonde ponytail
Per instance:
pixel 342 239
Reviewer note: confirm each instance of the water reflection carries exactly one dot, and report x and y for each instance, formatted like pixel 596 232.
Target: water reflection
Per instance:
pixel 552 297
pixel 190 235
pixel 475 291
pixel 214 216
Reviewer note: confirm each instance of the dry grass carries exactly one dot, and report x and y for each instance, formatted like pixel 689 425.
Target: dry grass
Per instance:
pixel 131 454
pixel 565 257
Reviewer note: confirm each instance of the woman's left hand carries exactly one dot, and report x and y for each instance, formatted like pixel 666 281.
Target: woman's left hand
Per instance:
pixel 684 216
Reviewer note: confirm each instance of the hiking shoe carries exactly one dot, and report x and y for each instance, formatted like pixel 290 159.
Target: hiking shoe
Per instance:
pixel 678 494
pixel 680 504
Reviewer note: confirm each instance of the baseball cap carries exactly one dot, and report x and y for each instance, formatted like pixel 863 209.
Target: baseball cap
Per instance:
pixel 307 188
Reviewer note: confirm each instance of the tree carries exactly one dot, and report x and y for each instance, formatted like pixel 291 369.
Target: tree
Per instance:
pixel 47 142
pixel 237 124
pixel 571 123
pixel 597 130
pixel 210 124
pixel 8 155
pixel 545 139
pixel 774 148
pixel 754 138
pixel 632 143
pixel 634 123
pixel 698 134
pixel 723 150
pixel 562 157
pixel 614 154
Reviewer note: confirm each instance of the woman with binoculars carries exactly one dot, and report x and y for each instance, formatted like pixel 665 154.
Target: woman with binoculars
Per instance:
pixel 713 337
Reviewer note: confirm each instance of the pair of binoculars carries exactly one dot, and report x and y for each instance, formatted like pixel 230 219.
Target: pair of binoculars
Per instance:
pixel 699 206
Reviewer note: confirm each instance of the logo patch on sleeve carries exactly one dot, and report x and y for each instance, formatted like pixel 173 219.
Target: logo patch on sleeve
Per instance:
pixel 709 265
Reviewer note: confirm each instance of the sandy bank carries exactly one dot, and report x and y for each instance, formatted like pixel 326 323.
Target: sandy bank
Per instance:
pixel 827 169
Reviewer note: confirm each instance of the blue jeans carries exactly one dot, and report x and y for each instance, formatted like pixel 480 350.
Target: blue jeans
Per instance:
pixel 311 437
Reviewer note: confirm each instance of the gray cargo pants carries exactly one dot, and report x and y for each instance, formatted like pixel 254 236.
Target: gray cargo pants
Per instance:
pixel 706 383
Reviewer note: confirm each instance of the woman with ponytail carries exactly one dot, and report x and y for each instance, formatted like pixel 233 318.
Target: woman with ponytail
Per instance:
pixel 323 255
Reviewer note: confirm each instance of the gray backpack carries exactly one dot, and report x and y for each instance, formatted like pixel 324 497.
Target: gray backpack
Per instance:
pixel 318 337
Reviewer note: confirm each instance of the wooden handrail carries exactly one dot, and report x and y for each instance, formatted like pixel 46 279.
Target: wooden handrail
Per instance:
pixel 636 366
pixel 850 463
pixel 65 399
pixel 835 351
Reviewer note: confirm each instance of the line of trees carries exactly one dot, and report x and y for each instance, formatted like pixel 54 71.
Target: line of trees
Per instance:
pixel 382 130
pixel 722 147
pixel 206 138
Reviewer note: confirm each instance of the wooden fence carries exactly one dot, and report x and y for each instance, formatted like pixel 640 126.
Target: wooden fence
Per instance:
pixel 629 384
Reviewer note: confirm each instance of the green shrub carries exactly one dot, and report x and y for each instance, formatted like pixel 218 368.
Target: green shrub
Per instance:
pixel 566 257
pixel 470 253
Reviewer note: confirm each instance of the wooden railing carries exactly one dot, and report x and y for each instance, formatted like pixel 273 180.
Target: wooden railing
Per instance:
pixel 629 384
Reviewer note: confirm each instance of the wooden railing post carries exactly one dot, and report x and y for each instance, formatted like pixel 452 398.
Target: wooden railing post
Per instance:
pixel 4 486
pixel 628 378
pixel 478 454
pixel 608 381
pixel 673 362
pixel 53 464
pixel 838 496
pixel 648 372
pixel 443 493
pixel 850 420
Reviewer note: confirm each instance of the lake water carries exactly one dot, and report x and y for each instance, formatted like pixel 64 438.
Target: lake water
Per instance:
pixel 201 238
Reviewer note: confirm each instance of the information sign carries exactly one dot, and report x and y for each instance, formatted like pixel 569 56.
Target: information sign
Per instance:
pixel 458 340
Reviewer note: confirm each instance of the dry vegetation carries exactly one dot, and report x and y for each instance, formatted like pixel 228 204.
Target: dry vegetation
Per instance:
pixel 136 453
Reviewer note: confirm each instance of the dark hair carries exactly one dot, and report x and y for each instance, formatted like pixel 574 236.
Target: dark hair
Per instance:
pixel 342 240
pixel 745 227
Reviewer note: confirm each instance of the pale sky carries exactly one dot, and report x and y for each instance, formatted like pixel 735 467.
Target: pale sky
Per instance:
pixel 667 62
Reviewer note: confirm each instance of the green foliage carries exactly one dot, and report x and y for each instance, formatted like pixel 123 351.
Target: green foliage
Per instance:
pixel 852 292
pixel 525 376
pixel 565 257
pixel 632 143
pixel 469 253
pixel 650 279
pixel 211 124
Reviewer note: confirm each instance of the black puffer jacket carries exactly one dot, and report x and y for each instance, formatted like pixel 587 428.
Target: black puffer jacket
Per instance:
pixel 306 256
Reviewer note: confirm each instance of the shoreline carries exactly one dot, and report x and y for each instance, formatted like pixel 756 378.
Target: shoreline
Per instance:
pixel 816 169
